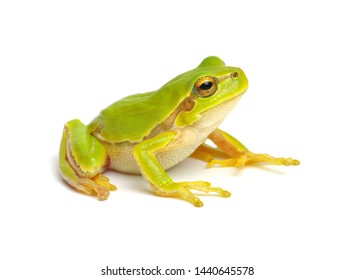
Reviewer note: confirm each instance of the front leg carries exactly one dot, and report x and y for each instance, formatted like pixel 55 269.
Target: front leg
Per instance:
pixel 234 153
pixel 162 184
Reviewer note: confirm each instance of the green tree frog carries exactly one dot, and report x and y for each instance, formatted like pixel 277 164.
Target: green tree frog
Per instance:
pixel 151 132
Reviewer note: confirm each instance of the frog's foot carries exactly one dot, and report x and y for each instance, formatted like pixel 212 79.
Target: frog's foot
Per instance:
pixel 182 190
pixel 98 186
pixel 247 158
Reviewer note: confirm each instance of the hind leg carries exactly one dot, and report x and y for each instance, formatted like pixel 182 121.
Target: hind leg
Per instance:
pixel 82 158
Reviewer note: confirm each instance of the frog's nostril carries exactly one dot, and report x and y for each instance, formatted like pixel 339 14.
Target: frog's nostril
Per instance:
pixel 234 75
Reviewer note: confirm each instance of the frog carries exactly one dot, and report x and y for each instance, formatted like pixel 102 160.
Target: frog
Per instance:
pixel 148 133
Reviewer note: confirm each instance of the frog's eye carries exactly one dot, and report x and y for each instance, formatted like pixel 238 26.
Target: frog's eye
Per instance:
pixel 205 86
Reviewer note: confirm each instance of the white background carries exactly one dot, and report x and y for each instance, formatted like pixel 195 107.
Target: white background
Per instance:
pixel 61 60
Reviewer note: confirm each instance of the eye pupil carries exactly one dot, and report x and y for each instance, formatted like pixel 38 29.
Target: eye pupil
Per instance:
pixel 206 85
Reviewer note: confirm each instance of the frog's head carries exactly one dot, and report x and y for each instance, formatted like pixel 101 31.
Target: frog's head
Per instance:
pixel 212 84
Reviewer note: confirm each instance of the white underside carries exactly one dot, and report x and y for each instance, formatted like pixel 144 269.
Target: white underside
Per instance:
pixel 182 146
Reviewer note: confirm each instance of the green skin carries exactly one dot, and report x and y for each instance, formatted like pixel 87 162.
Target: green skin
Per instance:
pixel 151 132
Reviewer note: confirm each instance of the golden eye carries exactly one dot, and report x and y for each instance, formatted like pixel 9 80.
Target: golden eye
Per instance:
pixel 205 86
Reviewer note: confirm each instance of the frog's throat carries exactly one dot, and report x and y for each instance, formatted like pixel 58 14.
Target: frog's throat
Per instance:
pixel 185 118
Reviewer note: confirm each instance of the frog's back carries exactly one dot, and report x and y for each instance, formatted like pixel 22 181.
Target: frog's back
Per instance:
pixel 135 116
